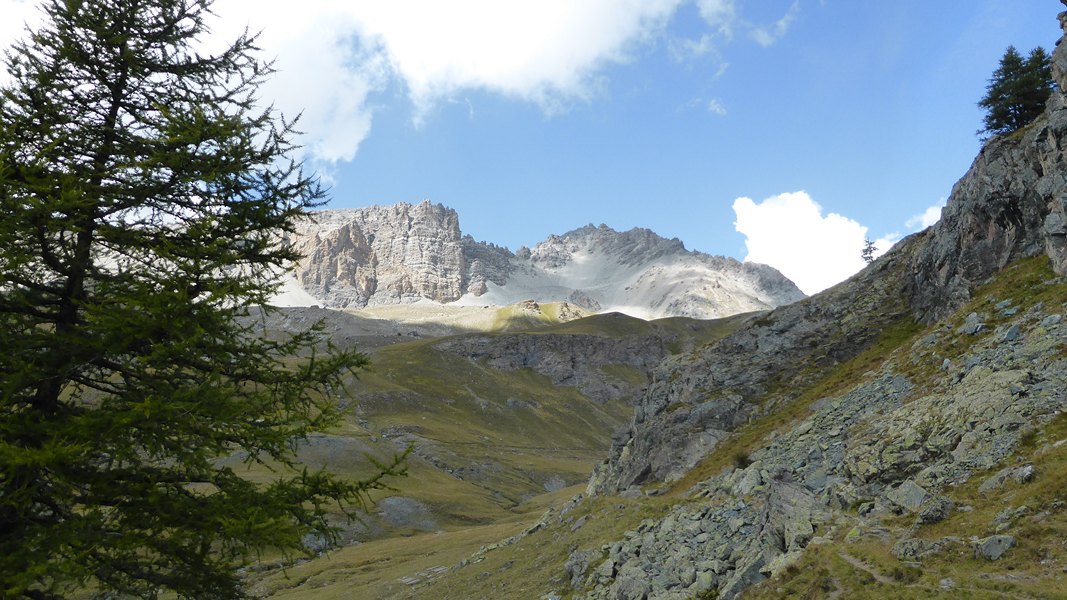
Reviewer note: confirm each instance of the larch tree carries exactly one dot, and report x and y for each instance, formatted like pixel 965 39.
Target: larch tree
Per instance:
pixel 143 196
pixel 1017 92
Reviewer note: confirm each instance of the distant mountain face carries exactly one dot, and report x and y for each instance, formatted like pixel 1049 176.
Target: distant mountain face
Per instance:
pixel 408 253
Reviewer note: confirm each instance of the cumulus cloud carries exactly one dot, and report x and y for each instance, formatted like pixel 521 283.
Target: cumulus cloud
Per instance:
pixel 926 218
pixel 323 73
pixel 790 233
pixel 716 107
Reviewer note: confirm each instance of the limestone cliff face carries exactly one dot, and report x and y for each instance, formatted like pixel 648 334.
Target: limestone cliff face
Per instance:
pixel 390 254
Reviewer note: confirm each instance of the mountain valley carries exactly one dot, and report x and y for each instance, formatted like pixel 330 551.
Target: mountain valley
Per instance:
pixel 902 434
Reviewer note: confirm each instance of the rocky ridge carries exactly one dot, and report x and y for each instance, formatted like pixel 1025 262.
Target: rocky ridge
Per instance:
pixel 406 253
pixel 892 445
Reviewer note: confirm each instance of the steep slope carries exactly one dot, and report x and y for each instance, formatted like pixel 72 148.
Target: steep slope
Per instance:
pixel 1009 205
pixel 407 253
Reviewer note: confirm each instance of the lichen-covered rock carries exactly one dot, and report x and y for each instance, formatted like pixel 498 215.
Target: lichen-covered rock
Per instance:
pixel 1020 474
pixel 914 549
pixel 993 547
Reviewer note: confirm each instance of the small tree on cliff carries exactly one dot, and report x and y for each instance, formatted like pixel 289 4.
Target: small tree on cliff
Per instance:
pixel 867 254
pixel 141 199
pixel 1017 92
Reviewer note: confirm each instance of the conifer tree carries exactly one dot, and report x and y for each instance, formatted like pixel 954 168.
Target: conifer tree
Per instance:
pixel 142 199
pixel 1017 92
pixel 867 254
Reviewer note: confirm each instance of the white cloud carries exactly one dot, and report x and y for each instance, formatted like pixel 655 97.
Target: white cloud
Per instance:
pixel 332 55
pixel 927 217
pixel 716 107
pixel 884 243
pixel 546 52
pixel 721 15
pixel 321 73
pixel 790 233
pixel 767 36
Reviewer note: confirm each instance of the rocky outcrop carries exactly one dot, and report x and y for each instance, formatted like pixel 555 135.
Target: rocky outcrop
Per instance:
pixel 573 360
pixel 645 275
pixel 485 264
pixel 1011 203
pixel 380 254
pixel 634 247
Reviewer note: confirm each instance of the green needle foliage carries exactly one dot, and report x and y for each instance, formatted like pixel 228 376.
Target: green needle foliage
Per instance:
pixel 142 200
pixel 1017 92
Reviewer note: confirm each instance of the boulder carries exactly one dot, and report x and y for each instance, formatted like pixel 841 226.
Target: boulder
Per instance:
pixel 993 547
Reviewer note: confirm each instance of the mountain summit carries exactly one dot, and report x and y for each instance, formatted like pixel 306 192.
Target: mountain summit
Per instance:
pixel 408 253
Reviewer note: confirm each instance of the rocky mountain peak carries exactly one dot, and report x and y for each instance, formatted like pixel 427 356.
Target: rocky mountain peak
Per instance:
pixel 632 247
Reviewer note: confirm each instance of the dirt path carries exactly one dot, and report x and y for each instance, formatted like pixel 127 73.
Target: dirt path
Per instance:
pixel 859 564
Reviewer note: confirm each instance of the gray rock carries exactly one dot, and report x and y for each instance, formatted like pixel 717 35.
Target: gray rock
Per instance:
pixel 1005 517
pixel 1011 334
pixel 993 547
pixel 908 496
pixel 577 564
pixel 743 577
pixel 1020 474
pixel 606 569
pixel 630 588
pixel 971 325
pixel 913 549
pixel 936 509
pixel 401 511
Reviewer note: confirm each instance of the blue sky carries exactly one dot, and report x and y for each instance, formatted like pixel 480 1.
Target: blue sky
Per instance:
pixel 532 118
